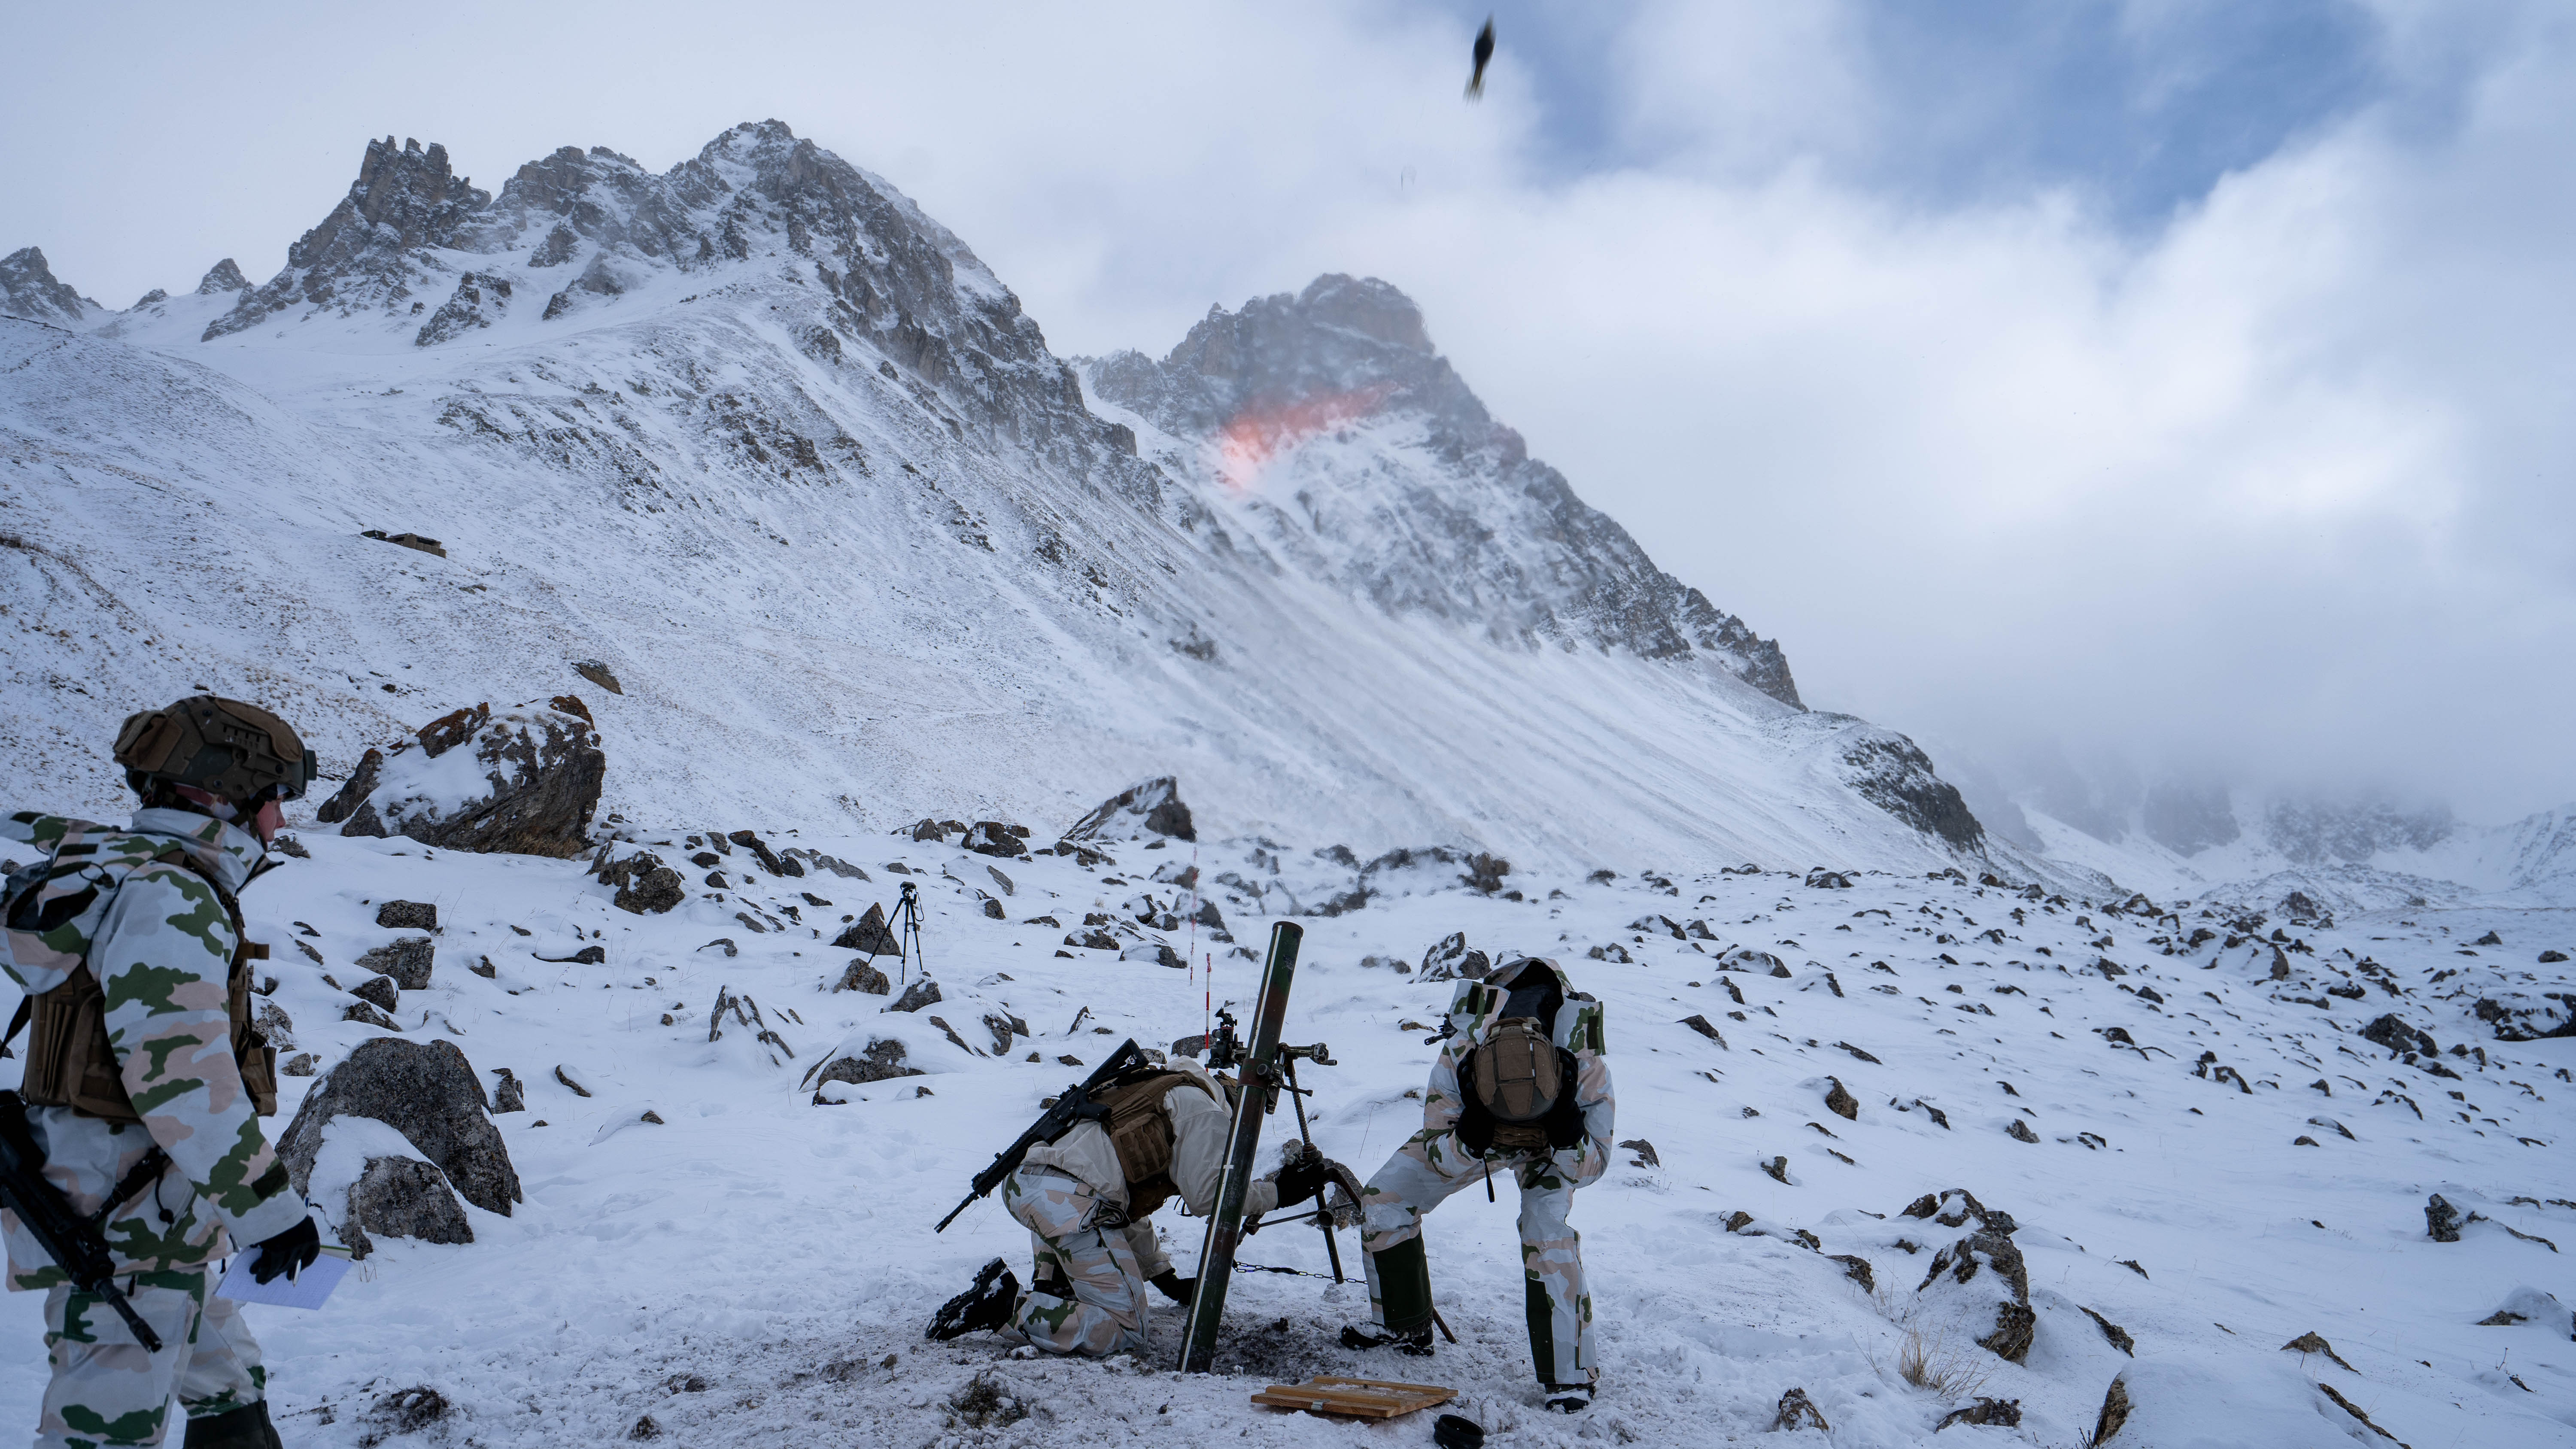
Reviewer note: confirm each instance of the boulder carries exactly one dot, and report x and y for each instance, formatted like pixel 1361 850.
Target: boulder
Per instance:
pixel 402 1197
pixel 1840 1102
pixel 645 886
pixel 378 989
pixel 2397 1036
pixel 1979 1283
pixel 366 1014
pixel 869 934
pixel 527 785
pixel 407 916
pixel 1828 880
pixel 428 1092
pixel 770 861
pixel 1158 952
pixel 1998 1413
pixel 918 995
pixel 2441 1220
pixel 407 961
pixel 1797 1411
pixel 991 837
pixel 1146 809
pixel 878 1059
pixel 1451 960
pixel 1957 1208
pixel 511 1095
pixel 860 976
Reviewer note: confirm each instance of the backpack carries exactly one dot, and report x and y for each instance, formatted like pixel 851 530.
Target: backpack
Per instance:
pixel 1518 1085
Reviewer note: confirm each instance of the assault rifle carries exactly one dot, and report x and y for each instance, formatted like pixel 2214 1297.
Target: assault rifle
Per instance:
pixel 1074 1106
pixel 77 1243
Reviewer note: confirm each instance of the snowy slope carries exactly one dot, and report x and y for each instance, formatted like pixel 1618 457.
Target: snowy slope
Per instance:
pixel 779 453
pixel 758 1261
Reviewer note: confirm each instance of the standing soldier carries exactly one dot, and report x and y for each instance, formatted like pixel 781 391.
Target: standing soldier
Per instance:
pixel 145 1079
pixel 1087 1200
pixel 1521 1083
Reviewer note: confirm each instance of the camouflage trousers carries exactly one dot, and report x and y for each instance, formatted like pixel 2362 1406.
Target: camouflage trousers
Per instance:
pixel 107 1389
pixel 1423 1173
pixel 1071 1242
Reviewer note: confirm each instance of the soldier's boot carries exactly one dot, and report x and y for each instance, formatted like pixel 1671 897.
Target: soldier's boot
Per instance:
pixel 1172 1285
pixel 1402 1278
pixel 1416 1342
pixel 1569 1398
pixel 986 1305
pixel 244 1428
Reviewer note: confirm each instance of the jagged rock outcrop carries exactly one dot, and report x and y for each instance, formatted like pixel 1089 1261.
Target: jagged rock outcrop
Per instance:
pixel 1893 774
pixel 375 247
pixel 540 769
pixel 28 289
pixel 1482 533
pixel 224 276
pixel 1142 811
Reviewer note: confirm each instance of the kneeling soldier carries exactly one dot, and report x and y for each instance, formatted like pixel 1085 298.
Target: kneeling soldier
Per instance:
pixel 1087 1199
pixel 1521 1083
pixel 146 1081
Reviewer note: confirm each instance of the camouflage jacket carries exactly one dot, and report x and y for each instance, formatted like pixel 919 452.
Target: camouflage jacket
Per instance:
pixel 1473 1011
pixel 161 944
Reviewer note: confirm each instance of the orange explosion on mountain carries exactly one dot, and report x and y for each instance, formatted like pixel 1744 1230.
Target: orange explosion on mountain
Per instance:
pixel 1252 438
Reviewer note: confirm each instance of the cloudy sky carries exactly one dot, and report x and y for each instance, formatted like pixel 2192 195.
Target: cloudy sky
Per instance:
pixel 2178 379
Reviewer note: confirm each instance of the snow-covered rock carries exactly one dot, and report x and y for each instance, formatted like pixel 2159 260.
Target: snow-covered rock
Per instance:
pixel 524 780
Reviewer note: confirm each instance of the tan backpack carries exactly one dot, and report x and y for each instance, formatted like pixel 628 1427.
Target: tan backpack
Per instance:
pixel 1518 1077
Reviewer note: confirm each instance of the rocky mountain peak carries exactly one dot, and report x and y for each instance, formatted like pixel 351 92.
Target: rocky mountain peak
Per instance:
pixel 366 253
pixel 1448 515
pixel 223 276
pixel 406 198
pixel 1341 336
pixel 28 289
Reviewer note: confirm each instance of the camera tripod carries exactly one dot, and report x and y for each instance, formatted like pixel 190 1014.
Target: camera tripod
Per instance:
pixel 905 932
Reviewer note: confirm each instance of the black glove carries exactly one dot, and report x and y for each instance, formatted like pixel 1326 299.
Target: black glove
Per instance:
pixel 1175 1287
pixel 1302 1180
pixel 290 1252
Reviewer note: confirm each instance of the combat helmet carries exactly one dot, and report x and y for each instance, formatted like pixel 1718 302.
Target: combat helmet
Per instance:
pixel 222 746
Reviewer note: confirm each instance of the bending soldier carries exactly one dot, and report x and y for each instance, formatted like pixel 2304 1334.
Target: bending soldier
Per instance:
pixel 145 1079
pixel 1521 1084
pixel 1087 1200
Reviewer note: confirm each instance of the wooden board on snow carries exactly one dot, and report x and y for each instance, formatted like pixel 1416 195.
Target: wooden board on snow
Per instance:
pixel 1358 1398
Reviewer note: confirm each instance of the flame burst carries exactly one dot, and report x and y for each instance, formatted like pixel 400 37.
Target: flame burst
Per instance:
pixel 1251 439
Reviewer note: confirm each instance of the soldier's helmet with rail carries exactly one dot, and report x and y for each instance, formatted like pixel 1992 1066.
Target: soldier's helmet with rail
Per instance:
pixel 222 746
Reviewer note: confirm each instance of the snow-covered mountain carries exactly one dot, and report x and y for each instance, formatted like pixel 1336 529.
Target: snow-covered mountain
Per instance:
pixel 773 449
pixel 2202 838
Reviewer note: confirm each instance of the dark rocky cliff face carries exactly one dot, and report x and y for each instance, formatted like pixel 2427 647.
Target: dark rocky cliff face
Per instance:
pixel 1466 526
pixel 28 289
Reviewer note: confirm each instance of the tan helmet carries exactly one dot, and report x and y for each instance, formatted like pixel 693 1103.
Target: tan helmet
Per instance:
pixel 222 746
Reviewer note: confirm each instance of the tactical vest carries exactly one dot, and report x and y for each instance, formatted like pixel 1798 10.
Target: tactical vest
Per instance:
pixel 70 1062
pixel 1140 1130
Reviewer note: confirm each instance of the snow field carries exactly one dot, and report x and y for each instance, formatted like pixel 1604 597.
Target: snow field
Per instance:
pixel 781 1251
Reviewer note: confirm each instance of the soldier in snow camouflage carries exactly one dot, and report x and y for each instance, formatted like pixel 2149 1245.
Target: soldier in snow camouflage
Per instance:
pixel 1461 1144
pixel 129 946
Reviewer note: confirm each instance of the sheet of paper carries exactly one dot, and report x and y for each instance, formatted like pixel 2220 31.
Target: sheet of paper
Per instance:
pixel 310 1287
